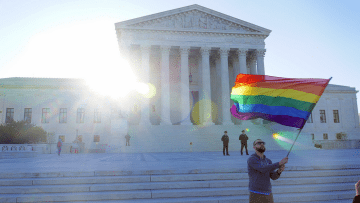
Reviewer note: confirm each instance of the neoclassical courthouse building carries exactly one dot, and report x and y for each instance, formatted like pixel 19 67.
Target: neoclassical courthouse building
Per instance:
pixel 190 56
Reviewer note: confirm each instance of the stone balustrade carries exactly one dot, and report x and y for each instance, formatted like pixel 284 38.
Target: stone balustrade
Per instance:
pixel 17 148
pixel 338 144
pixel 20 150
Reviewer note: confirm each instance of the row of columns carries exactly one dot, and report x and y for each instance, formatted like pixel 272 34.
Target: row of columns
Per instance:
pixel 206 107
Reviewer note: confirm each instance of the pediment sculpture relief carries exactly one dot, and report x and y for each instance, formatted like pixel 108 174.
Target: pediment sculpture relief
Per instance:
pixel 193 20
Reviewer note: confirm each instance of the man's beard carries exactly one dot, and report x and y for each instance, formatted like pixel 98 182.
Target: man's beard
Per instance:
pixel 261 150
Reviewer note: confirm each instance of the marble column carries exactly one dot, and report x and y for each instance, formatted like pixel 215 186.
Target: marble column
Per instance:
pixel 242 60
pixel 185 88
pixel 206 87
pixel 260 53
pixel 218 86
pixel 252 64
pixel 225 91
pixel 165 86
pixel 145 65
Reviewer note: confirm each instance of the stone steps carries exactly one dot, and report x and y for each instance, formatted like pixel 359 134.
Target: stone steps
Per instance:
pixel 290 184
pixel 144 197
pixel 294 186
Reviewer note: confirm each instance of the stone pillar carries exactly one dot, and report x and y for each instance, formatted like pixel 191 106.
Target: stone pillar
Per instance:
pixel 206 87
pixel 185 88
pixel 242 60
pixel 260 53
pixel 165 86
pixel 218 86
pixel 252 64
pixel 225 90
pixel 145 65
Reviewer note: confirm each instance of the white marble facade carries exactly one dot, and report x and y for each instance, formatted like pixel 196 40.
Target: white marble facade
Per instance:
pixel 191 54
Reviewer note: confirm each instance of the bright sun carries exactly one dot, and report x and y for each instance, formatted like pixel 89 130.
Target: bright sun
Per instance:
pixel 115 80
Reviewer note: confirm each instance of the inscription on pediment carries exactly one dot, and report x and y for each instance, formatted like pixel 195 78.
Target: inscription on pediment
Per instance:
pixel 193 20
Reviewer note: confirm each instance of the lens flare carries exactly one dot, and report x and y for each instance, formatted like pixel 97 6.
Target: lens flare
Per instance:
pixel 148 90
pixel 285 140
pixel 276 136
pixel 204 112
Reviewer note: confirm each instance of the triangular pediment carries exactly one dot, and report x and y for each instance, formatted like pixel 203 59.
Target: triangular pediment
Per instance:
pixel 193 17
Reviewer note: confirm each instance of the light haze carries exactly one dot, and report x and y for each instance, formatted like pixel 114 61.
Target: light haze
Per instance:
pixel 77 39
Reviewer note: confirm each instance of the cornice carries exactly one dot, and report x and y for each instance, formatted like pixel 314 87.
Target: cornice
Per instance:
pixel 341 91
pixel 196 32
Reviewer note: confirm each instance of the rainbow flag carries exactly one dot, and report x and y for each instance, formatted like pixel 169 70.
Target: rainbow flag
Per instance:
pixel 287 101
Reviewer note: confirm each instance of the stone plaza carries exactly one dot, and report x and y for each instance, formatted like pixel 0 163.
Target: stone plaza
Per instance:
pixel 315 176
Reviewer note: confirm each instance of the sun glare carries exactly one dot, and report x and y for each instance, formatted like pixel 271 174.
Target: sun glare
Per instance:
pixel 115 80
pixel 71 55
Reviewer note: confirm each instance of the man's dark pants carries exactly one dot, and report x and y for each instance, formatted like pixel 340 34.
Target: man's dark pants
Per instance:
pixel 259 198
pixel 242 147
pixel 227 149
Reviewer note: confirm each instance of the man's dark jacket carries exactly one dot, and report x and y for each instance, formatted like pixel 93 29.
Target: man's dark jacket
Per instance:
pixel 225 140
pixel 243 138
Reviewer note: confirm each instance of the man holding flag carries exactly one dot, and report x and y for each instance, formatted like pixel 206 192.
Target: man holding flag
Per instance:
pixel 287 101
pixel 260 170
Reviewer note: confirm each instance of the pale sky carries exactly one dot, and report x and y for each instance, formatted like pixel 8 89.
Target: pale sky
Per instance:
pixel 77 39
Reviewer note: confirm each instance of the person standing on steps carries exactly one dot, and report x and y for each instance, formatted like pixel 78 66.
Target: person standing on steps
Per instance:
pixel 243 138
pixel 59 144
pixel 260 170
pixel 225 140
pixel 127 137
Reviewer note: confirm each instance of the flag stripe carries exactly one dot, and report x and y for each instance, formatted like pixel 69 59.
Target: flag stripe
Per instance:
pixel 274 110
pixel 287 93
pixel 281 119
pixel 273 101
pixel 314 86
pixel 308 88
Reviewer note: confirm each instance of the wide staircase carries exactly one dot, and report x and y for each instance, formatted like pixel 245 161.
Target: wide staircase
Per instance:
pixel 297 184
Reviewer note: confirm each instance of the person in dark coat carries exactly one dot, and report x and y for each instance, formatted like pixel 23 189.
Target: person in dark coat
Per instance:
pixel 127 137
pixel 225 140
pixel 243 138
